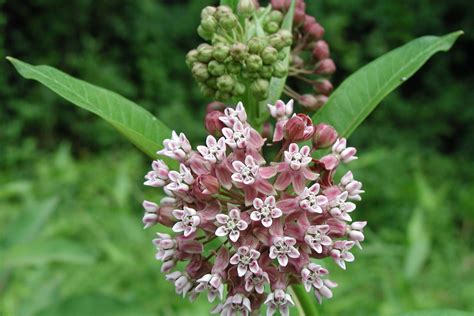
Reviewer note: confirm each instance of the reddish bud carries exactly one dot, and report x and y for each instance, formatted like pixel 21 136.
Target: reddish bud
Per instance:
pixel 215 106
pixel 299 127
pixel 324 136
pixel 316 30
pixel 321 50
pixel 325 67
pixel 312 102
pixel 213 123
pixel 278 4
pixel 323 86
pixel 308 22
pixel 299 16
pixel 267 130
pixel 206 186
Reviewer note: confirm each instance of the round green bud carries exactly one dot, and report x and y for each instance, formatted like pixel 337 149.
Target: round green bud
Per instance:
pixel 215 68
pixel 228 22
pixel 250 75
pixel 204 52
pixel 286 37
pixel 246 8
pixel 199 71
pixel 259 89
pixel 207 12
pixel 239 89
pixel 280 69
pixel 222 95
pixel 256 45
pixel 225 83
pixel 212 83
pixel 238 51
pixel 221 52
pixel 266 72
pixel 271 27
pixel 281 55
pixel 222 11
pixel 207 91
pixel 209 24
pixel 269 55
pixel 253 63
pixel 204 35
pixel 191 57
pixel 234 67
pixel 276 41
pixel 275 16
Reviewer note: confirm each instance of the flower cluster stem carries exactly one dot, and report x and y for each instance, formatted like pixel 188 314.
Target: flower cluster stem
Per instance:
pixel 305 304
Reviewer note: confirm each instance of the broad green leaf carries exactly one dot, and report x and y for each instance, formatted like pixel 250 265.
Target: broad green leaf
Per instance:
pixel 277 84
pixel 359 94
pixel 42 252
pixel 134 122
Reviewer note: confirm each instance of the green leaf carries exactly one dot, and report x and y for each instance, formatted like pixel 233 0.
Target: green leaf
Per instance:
pixel 419 244
pixel 135 123
pixel 277 84
pixel 42 252
pixel 359 94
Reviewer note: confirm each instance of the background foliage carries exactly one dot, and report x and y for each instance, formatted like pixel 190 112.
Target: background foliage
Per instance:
pixel 70 187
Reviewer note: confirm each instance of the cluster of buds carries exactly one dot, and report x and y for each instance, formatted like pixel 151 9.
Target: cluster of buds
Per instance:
pixel 307 35
pixel 236 60
pixel 249 226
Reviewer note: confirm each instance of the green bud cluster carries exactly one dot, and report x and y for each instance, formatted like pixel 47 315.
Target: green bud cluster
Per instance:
pixel 231 66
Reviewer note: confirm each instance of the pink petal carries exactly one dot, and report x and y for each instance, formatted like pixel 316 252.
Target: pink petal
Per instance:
pixel 283 260
pixel 282 182
pixel 221 231
pixel 298 182
pixel 268 172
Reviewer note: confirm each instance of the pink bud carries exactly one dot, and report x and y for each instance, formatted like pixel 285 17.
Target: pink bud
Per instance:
pixel 206 186
pixel 321 50
pixel 213 123
pixel 312 102
pixel 299 128
pixel 215 106
pixel 316 30
pixel 299 16
pixel 323 86
pixel 267 130
pixel 149 219
pixel 308 22
pixel 278 4
pixel 325 67
pixel 324 136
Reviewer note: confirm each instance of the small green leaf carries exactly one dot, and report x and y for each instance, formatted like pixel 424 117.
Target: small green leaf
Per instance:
pixel 277 84
pixel 359 94
pixel 134 122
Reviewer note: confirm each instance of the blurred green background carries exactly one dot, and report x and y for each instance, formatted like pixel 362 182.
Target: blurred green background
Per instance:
pixel 71 239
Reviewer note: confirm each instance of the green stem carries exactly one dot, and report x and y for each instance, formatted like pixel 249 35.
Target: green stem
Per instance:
pixel 304 302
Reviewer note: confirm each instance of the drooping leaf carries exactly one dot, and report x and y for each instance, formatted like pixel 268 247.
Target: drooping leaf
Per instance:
pixel 134 122
pixel 359 94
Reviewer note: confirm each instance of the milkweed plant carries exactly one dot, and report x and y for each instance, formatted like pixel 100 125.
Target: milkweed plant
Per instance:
pixel 253 210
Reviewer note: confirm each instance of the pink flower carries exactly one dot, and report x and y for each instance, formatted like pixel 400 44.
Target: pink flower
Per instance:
pixel 245 259
pixel 280 110
pixel 151 214
pixel 312 276
pixel 181 282
pixel 316 237
pixel 279 300
pixel 178 147
pixel 284 247
pixel 213 284
pixel 180 181
pixel 325 290
pixel 353 187
pixel 299 127
pixel 234 305
pixel 158 177
pixel 355 232
pixel 215 150
pixel 166 251
pixel 231 116
pixel 341 254
pixel 237 136
pixel 339 208
pixel 230 224
pixel 265 211
pixel 188 221
pixel 295 169
pixel 339 153
pixel 256 281
pixel 310 200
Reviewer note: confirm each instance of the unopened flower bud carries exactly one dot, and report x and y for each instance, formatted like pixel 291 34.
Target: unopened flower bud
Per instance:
pixel 276 41
pixel 256 45
pixel 199 71
pixel 238 51
pixel 320 50
pixel 213 124
pixel 278 4
pixel 269 55
pixel 299 17
pixel 225 83
pixel 253 62
pixel 287 37
pixel 324 136
pixel 323 86
pixel 312 102
pixel 316 30
pixel 215 106
pixel 234 67
pixel 239 89
pixel 275 16
pixel 206 186
pixel 266 72
pixel 280 69
pixel 209 24
pixel 299 128
pixel 325 67
pixel 215 68
pixel 203 34
pixel 221 52
pixel 228 21
pixel 308 22
pixel 191 57
pixel 207 12
pixel 259 88
pixel 212 82
pixel 271 27
pixel 204 53
pixel 246 8
pixel 222 11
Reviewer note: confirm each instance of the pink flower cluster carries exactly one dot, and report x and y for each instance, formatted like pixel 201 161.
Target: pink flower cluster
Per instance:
pixel 251 217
